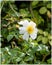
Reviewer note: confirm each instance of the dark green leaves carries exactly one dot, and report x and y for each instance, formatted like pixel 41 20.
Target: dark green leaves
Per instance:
pixel 9 37
pixel 44 40
pixel 37 18
pixel 39 38
pixel 15 55
pixel 14 49
pixel 24 13
pixel 28 58
pixel 12 34
pixel 34 3
pixel 49 5
pixel 49 61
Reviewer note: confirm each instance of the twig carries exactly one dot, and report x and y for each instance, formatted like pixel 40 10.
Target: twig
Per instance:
pixel 44 56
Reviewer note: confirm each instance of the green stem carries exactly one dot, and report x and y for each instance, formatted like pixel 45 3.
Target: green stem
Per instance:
pixel 13 10
pixel 2 5
pixel 31 10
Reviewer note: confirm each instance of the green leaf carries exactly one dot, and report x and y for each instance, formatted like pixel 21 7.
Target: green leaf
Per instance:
pixel 34 3
pixel 43 10
pixel 35 43
pixel 12 33
pixel 23 12
pixel 30 52
pixel 28 58
pixel 25 46
pixel 39 38
pixel 45 33
pixel 9 37
pixel 40 31
pixel 21 54
pixel 18 59
pixel 49 5
pixel 22 62
pixel 5 58
pixel 4 32
pixel 16 36
pixel 43 49
pixel 49 61
pixel 44 40
pixel 38 19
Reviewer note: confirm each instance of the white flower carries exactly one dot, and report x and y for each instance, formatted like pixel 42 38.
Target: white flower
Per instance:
pixel 28 29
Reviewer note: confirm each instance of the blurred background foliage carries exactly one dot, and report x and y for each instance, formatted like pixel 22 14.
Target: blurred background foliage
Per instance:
pixel 15 50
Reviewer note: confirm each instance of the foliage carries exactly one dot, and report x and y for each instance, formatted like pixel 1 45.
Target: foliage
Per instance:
pixel 15 50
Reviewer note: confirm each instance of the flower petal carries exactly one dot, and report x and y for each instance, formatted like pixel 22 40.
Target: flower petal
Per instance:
pixel 35 30
pixel 24 23
pixel 32 23
pixel 22 30
pixel 26 36
pixel 21 22
pixel 33 36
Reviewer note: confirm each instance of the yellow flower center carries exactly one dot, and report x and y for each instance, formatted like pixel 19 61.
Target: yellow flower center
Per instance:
pixel 30 29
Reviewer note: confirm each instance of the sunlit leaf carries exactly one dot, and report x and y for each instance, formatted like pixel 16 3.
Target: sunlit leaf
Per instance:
pixel 42 10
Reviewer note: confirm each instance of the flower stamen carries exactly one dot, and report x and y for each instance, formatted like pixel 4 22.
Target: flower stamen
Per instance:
pixel 30 29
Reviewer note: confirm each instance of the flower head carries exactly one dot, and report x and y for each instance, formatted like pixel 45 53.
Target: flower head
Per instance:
pixel 28 29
